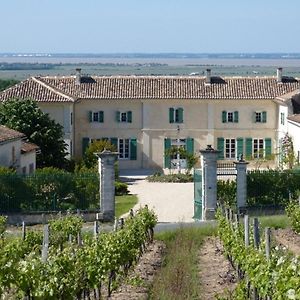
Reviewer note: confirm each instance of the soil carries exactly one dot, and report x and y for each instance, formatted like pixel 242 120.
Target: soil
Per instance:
pixel 140 279
pixel 288 238
pixel 216 274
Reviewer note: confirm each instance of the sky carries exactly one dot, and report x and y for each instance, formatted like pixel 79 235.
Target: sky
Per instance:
pixel 149 26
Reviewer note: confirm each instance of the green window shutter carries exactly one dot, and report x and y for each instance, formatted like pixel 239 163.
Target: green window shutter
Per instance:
pixel 240 147
pixel 133 149
pixel 220 146
pixel 248 148
pixel 90 116
pixel 85 144
pixel 167 157
pixel 118 114
pixel 171 115
pixel 236 117
pixel 264 117
pixel 190 145
pixel 129 116
pixel 180 115
pixel 101 116
pixel 114 141
pixel 224 116
pixel 268 148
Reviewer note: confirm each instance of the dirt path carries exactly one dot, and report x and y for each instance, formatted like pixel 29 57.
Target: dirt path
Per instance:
pixel 216 273
pixel 139 281
pixel 288 238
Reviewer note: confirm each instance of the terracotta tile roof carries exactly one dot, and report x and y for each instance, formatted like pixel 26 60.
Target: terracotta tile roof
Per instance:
pixel 295 118
pixel 53 89
pixel 28 147
pixel 33 88
pixel 7 134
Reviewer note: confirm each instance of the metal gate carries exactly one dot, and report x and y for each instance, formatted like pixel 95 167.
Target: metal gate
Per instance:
pixel 226 171
pixel 197 194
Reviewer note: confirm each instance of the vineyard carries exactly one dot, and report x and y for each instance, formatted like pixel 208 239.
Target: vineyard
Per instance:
pixel 264 269
pixel 61 263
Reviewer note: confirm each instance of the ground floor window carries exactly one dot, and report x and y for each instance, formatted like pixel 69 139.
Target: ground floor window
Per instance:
pixel 230 148
pixel 258 148
pixel 176 144
pixel 124 148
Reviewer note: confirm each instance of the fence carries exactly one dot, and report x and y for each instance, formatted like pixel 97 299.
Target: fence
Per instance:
pixel 48 192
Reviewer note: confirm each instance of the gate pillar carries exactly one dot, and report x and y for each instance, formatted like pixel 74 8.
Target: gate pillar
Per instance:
pixel 241 183
pixel 209 168
pixel 106 168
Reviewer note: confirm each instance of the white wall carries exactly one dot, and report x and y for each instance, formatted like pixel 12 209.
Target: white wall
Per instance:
pixel 294 132
pixel 26 160
pixel 6 154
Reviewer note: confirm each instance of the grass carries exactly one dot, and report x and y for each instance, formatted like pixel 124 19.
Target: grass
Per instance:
pixel 125 203
pixel 278 221
pixel 178 278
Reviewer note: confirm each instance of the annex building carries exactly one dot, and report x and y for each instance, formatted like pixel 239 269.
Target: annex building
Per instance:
pixel 145 115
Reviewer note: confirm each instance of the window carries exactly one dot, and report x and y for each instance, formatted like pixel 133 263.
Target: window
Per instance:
pixel 124 148
pixel 260 117
pixel 230 116
pixel 71 118
pixel 96 116
pixel 230 148
pixel 258 148
pixel 175 115
pixel 178 143
pixel 124 117
pixel 31 168
pixel 282 117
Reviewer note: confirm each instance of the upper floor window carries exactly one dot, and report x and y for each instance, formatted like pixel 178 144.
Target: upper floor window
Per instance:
pixel 175 115
pixel 282 118
pixel 260 117
pixel 124 116
pixel 96 116
pixel 230 116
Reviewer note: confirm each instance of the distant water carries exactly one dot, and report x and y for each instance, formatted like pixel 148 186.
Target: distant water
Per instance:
pixel 276 60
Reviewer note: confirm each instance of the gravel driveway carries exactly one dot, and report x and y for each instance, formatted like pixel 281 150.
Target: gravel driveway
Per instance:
pixel 172 202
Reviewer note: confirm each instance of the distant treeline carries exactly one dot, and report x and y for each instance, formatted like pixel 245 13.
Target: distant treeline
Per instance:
pixel 6 83
pixel 25 66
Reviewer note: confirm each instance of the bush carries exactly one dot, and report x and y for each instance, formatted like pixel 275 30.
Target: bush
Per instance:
pixel 293 212
pixel 272 187
pixel 121 188
pixel 180 178
pixel 226 192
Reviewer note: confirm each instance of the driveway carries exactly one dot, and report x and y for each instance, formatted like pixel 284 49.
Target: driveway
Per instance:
pixel 172 202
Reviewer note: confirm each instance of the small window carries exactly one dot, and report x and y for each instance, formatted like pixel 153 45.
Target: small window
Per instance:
pixel 24 170
pixel 282 118
pixel 230 116
pixel 124 116
pixel 260 117
pixel 175 115
pixel 96 116
pixel 71 118
pixel 31 168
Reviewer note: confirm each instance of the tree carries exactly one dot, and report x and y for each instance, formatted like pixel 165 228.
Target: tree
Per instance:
pixel 90 160
pixel 6 83
pixel 25 116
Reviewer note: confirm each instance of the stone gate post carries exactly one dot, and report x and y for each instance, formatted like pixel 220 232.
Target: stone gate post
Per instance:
pixel 209 169
pixel 106 161
pixel 241 183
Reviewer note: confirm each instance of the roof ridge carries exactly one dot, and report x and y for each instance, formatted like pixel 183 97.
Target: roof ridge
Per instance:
pixel 52 89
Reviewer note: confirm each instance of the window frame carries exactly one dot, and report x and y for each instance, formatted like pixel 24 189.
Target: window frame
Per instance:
pixel 124 154
pixel 232 143
pixel 282 118
pixel 259 152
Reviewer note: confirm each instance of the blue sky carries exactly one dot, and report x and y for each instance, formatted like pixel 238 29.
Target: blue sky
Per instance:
pixel 151 26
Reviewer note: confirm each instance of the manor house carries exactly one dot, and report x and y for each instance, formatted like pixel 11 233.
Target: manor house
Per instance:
pixel 145 115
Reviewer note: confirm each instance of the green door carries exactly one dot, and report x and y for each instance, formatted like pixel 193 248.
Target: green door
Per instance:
pixel 197 194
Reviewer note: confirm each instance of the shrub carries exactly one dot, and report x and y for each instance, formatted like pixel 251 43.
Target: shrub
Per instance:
pixel 293 212
pixel 226 192
pixel 121 188
pixel 2 225
pixel 179 178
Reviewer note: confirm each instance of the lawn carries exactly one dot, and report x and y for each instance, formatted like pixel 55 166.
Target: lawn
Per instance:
pixel 124 204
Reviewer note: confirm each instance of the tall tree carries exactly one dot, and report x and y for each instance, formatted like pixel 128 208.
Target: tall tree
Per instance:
pixel 25 116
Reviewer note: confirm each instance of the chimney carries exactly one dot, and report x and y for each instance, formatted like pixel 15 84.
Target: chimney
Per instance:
pixel 78 76
pixel 279 75
pixel 208 76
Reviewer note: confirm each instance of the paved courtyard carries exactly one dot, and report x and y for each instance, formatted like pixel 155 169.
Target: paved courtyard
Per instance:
pixel 172 202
